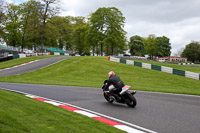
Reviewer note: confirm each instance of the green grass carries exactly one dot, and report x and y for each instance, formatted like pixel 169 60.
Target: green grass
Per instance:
pixel 20 114
pixel 176 66
pixel 19 61
pixel 92 71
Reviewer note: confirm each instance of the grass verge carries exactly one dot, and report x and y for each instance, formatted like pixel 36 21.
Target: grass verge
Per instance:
pixel 19 114
pixel 176 66
pixel 19 61
pixel 92 71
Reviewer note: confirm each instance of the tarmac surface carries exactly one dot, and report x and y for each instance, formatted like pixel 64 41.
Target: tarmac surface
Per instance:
pixel 32 66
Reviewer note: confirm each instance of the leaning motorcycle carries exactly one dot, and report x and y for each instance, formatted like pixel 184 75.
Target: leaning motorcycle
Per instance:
pixel 125 96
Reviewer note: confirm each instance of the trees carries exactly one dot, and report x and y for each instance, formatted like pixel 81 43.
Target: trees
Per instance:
pixel 30 23
pixel 106 30
pixel 34 23
pixel 25 24
pixel 1 10
pixel 79 36
pixel 192 52
pixel 151 45
pixel 25 12
pixel 12 34
pixel 164 46
pixel 46 12
pixel 136 45
pixel 59 32
pixel 2 16
pixel 68 36
pixel 69 33
pixel 157 46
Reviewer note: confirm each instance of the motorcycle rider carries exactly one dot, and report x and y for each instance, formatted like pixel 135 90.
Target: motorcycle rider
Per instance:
pixel 116 82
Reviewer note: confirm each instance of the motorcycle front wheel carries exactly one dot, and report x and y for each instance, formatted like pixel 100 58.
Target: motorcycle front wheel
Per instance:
pixel 107 98
pixel 130 100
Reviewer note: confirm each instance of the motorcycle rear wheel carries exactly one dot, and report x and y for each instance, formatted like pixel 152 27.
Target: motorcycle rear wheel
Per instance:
pixel 130 100
pixel 107 98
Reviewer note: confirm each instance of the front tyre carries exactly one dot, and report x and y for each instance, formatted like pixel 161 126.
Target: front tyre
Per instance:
pixel 107 98
pixel 130 100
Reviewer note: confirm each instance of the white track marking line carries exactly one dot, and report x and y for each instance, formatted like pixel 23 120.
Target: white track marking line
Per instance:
pixel 53 103
pixel 86 113
pixel 128 129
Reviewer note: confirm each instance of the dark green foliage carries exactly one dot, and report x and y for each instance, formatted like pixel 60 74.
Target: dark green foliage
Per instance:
pixel 35 24
pixel 79 36
pixel 30 23
pixel 151 46
pixel 12 34
pixel 25 24
pixel 157 46
pixel 2 16
pixel 192 52
pixel 59 32
pixel 164 46
pixel 136 45
pixel 106 33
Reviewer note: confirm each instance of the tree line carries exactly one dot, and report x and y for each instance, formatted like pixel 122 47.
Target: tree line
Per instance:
pixel 161 46
pixel 35 24
pixel 151 45
pixel 192 51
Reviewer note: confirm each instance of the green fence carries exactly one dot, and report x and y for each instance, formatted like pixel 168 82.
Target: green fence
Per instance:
pixel 159 68
pixel 178 72
pixel 137 64
pixel 122 61
pixel 156 67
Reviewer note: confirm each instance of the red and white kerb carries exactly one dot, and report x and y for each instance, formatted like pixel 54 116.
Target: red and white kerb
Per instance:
pixel 91 115
pixel 19 65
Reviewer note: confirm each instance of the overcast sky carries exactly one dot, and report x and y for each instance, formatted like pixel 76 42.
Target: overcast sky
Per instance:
pixel 178 20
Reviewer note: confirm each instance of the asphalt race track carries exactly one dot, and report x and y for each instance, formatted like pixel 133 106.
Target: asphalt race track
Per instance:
pixel 33 66
pixel 163 113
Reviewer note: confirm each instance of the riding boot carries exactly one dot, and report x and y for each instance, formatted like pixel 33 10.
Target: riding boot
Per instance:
pixel 116 96
pixel 133 93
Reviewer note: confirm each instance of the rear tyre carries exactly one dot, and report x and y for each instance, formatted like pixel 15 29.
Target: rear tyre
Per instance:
pixel 130 100
pixel 108 98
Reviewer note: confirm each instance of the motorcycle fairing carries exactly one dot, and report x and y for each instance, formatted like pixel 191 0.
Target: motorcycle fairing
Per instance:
pixel 124 89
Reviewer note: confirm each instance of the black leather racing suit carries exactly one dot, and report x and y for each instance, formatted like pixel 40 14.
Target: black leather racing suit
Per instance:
pixel 116 82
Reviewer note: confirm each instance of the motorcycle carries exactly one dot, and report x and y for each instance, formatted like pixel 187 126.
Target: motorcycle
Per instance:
pixel 125 96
